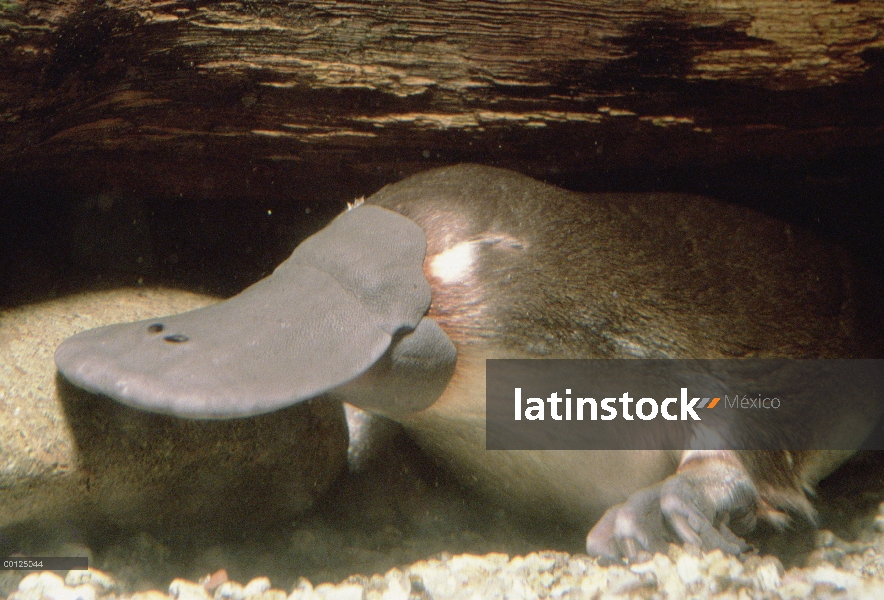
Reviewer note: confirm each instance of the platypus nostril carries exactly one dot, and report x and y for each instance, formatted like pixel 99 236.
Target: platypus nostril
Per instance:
pixel 176 338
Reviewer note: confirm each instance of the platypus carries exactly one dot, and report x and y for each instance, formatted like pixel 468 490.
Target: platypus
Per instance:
pixel 397 304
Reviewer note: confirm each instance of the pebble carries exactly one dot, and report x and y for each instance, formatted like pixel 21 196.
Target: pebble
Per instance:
pixel 50 586
pixel 834 577
pixel 212 581
pixel 398 585
pixel 80 592
pixel 303 590
pixel 256 587
pixel 181 589
pixel 623 581
pixel 796 587
pixel 879 523
pixel 230 590
pixel 345 591
pixel 42 582
pixel 149 595
pixel 688 568
pixel 102 582
pixel 768 574
pixel 680 574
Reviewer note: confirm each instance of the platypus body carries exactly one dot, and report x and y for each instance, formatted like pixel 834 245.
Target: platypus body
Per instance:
pixel 395 307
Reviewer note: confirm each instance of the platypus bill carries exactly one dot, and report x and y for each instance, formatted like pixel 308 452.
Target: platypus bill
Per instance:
pixel 396 305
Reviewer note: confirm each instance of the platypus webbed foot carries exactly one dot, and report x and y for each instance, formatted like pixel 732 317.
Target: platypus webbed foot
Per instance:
pixel 708 503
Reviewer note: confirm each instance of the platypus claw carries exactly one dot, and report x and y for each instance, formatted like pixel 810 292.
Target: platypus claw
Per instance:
pixel 678 510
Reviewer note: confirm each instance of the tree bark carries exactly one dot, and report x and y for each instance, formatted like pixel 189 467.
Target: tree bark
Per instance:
pixel 226 99
pixel 193 143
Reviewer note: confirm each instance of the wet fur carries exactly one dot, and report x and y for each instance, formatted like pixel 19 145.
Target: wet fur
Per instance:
pixel 565 275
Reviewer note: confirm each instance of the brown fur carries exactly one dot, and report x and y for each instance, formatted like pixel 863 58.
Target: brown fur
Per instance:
pixel 566 275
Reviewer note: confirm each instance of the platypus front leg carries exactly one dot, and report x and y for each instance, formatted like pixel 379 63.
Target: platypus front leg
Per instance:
pixel 708 502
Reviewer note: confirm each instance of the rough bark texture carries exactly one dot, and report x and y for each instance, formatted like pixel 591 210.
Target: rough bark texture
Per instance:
pixel 206 98
pixel 293 107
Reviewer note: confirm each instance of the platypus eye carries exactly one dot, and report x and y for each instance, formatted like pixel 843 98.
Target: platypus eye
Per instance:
pixel 503 241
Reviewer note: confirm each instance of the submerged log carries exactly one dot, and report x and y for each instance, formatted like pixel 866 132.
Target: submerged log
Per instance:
pixel 117 116
pixel 209 99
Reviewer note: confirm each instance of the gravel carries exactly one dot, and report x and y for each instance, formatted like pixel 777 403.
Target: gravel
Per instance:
pixel 834 569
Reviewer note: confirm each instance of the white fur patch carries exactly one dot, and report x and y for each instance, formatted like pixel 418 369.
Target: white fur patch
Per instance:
pixel 454 264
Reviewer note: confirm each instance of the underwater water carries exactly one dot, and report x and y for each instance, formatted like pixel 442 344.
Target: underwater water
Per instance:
pixel 152 498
